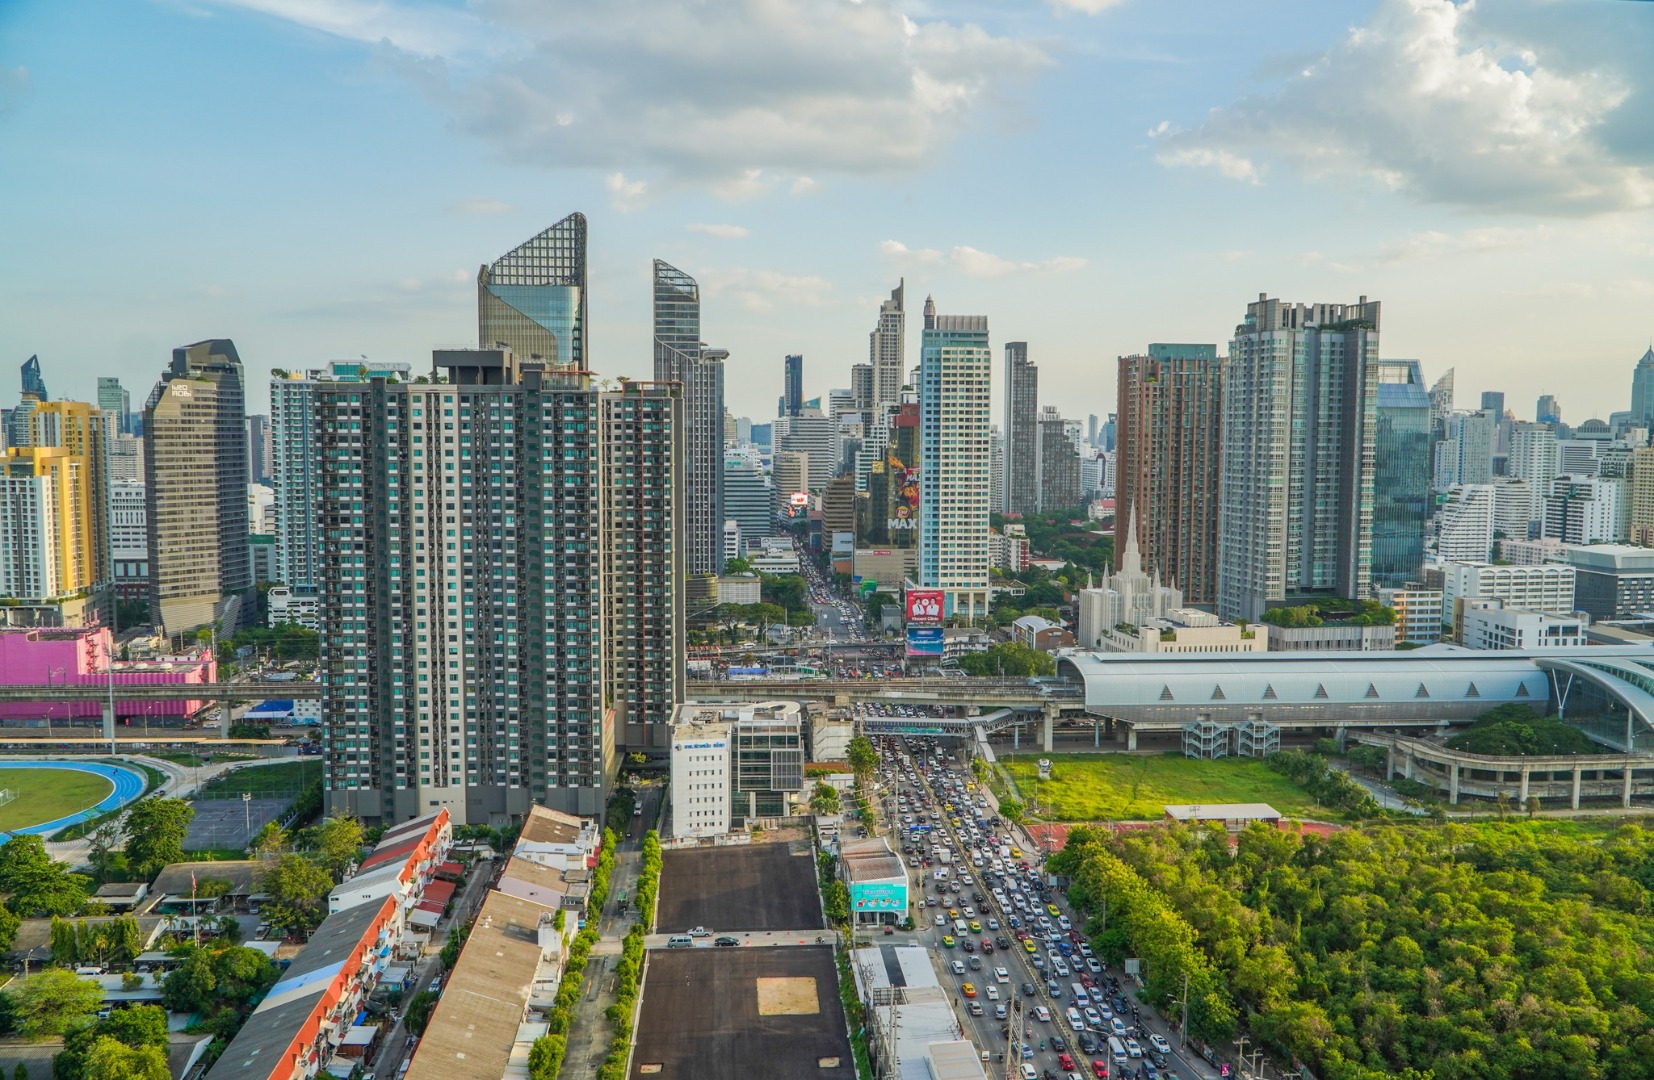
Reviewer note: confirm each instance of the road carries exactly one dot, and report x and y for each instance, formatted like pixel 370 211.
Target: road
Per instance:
pixel 986 1031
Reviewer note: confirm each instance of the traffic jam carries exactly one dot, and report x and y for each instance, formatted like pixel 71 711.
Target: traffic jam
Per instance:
pixel 996 915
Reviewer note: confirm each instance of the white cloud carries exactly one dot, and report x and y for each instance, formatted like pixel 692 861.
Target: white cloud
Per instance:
pixel 764 291
pixel 723 232
pixel 480 205
pixel 803 185
pixel 623 193
pixel 974 263
pixel 1084 7
pixel 1509 108
pixel 750 95
pixel 1431 244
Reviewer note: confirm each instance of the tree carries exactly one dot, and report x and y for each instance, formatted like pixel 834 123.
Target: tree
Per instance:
pixel 1011 810
pixel 155 831
pixel 52 1001
pixel 269 842
pixel 1531 805
pixel 825 800
pixel 1012 659
pixel 545 1057
pixel 241 974
pixel 102 842
pixel 111 1059
pixel 297 889
pixel 863 757
pixel 419 1011
pixel 340 842
pixel 38 884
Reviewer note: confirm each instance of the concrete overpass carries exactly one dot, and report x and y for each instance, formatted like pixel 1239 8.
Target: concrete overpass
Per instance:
pixel 225 695
pixel 1593 776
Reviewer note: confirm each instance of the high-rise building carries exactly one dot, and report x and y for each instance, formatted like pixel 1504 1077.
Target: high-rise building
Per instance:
pixel 1464 455
pixel 814 434
pixel 681 357
pixel 861 389
pixel 791 471
pixel 1642 390
pixel 461 591
pixel 115 404
pixel 1110 432
pixel 126 457
pixel 1534 457
pixel 893 481
pixel 1401 474
pixel 1059 463
pixel 886 349
pixel 295 465
pixel 996 470
pixel 1091 430
pixel 258 449
pixel 1587 510
pixel 1640 520
pixel 1170 404
pixel 1473 517
pixel 1493 401
pixel 1548 410
pixel 129 541
pixel 955 372
pixel 792 396
pixel 1300 420
pixel 748 498
pixel 643 561
pixel 195 481
pixel 16 425
pixel 34 383
pixel 54 517
pixel 532 299
pixel 1022 478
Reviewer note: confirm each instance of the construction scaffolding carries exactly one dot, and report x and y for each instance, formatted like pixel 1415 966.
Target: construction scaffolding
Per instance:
pixel 1205 739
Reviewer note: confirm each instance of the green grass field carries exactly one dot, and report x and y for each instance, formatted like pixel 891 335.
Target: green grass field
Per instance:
pixel 1134 787
pixel 48 794
pixel 285 778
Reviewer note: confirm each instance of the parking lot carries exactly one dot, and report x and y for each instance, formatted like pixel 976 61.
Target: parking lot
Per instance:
pixel 709 1014
pixel 747 887
pixel 223 823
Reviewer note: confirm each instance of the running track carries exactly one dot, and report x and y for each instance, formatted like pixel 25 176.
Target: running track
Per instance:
pixel 129 784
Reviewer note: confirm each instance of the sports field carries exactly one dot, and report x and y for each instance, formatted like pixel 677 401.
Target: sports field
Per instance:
pixel 48 794
pixel 1135 787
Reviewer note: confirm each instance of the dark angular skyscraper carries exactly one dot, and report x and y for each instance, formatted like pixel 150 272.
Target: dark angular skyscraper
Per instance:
pixel 1022 479
pixel 33 383
pixel 680 357
pixel 532 299
pixel 792 398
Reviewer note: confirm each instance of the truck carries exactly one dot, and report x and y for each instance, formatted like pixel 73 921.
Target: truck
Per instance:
pixel 944 856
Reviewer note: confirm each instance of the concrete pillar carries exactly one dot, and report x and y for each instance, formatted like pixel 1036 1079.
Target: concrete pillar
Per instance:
pixel 1453 784
pixel 1577 774
pixel 1096 734
pixel 1131 738
pixel 1389 764
pixel 1048 729
pixel 1016 736
pixel 1625 791
pixel 226 717
pixel 1407 764
pixel 1523 798
pixel 109 723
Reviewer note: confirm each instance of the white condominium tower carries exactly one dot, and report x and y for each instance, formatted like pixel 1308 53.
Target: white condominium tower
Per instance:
pixel 1300 400
pixel 955 369
pixel 886 350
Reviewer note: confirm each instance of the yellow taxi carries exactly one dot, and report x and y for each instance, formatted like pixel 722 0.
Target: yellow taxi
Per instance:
pixel 969 990
pixel 953 913
pixel 1027 943
pixel 947 942
pixel 1016 853
pixel 976 927
pixel 1053 909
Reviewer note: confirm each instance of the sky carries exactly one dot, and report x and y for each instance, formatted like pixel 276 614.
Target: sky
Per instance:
pixel 320 179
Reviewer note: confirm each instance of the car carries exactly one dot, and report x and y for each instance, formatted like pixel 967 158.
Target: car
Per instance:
pixel 975 1008
pixel 1053 910
pixel 1092 1018
pixel 967 944
pixel 1118 1027
pixel 1042 1014
pixel 993 924
pixel 1000 1011
pixel 1160 1044
pixel 1099 1069
pixel 726 941
pixel 1093 965
pixel 975 963
pixel 948 942
pixel 1085 948
pixel 968 989
pixel 1134 1048
pixel 700 931
pixel 987 946
pixel 1001 975
pixel 976 927
pixel 958 967
pixel 1029 1072
pixel 1065 1062
pixel 1053 987
pixel 992 991
pixel 1002 942
pixel 1060 969
pixel 1028 989
pixel 1027 943
pixel 941 919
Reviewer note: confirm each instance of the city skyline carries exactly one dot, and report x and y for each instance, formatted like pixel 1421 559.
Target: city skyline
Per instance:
pixel 794 243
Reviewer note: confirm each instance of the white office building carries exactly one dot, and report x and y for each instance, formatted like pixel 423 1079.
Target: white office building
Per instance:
pixel 734 763
pixel 1583 509
pixel 1465 455
pixel 1533 457
pixel 954 378
pixel 1548 588
pixel 1489 624
pixel 1418 613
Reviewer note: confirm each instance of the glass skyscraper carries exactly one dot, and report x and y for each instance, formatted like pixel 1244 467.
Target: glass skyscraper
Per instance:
pixel 681 357
pixel 1401 474
pixel 532 299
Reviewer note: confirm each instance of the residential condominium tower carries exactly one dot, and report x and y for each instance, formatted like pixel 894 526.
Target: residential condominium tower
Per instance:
pixel 295 463
pixel 1059 463
pixel 461 592
pixel 643 562
pixel 54 514
pixel 792 397
pixel 1022 478
pixel 1300 420
pixel 1167 455
pixel 195 486
pixel 532 299
pixel 680 357
pixel 886 350
pixel 1401 474
pixel 955 371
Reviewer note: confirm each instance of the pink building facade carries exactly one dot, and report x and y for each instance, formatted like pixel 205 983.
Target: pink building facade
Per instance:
pixel 79 656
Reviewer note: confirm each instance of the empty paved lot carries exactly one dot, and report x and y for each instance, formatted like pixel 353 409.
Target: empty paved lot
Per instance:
pixel 701 1018
pixel 751 887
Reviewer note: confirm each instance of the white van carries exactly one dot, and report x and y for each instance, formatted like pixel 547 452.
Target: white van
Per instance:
pixel 1075 1020
pixel 1118 1050
pixel 680 941
pixel 960 926
pixel 1081 997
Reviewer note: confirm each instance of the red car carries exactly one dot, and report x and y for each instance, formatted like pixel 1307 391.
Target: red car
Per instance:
pixel 1101 1069
pixel 1065 1063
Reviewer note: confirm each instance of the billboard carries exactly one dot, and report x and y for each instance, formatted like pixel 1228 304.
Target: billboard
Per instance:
pixel 924 607
pixel 879 896
pixel 924 641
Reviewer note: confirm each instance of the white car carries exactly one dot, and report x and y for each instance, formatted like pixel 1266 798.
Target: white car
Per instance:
pixel 992 991
pixel 1159 1043
pixel 1133 1049
pixel 1093 965
pixel 959 967
pixel 1001 975
pixel 1092 1018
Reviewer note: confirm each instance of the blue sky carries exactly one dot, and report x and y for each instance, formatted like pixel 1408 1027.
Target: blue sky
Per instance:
pixel 320 179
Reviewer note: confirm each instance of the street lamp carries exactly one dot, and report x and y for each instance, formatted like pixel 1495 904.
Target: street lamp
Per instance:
pixel 247 806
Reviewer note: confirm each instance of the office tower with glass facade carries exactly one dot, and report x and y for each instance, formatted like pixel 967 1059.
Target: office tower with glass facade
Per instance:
pixel 1022 480
pixel 955 373
pixel 792 397
pixel 532 299
pixel 1548 410
pixel 681 357
pixel 195 484
pixel 748 498
pixel 1166 462
pixel 1300 427
pixel 1401 474
pixel 461 590
pixel 115 403
pixel 643 562
pixel 295 469
pixel 813 434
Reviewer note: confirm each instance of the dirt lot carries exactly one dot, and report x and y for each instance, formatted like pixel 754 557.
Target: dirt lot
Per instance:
pixel 751 887
pixel 704 1019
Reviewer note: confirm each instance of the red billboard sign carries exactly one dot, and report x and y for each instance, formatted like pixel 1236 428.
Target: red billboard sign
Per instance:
pixel 924 607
